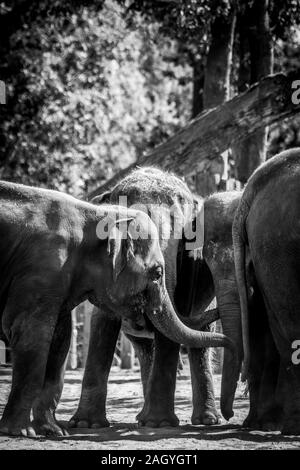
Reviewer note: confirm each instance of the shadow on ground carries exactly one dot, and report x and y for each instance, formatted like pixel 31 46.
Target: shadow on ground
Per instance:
pixel 125 401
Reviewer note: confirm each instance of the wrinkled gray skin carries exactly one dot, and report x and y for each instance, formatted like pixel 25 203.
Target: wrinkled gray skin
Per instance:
pixel 267 229
pixel 191 284
pixel 51 259
pixel 266 382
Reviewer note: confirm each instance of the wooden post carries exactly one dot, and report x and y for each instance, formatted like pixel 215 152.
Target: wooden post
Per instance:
pixel 127 353
pixel 72 360
pixel 218 353
pixel 2 352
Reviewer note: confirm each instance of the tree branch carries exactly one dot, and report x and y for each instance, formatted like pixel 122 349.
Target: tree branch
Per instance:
pixel 194 148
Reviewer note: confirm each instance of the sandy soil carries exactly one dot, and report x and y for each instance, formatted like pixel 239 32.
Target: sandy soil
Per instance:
pixel 125 401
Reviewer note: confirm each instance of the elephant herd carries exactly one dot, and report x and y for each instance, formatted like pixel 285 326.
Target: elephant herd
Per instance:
pixel 151 257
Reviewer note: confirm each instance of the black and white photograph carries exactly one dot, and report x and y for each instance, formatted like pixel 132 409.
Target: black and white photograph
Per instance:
pixel 149 227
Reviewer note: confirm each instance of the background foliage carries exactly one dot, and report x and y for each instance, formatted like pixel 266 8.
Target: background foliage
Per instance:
pixel 93 84
pixel 86 95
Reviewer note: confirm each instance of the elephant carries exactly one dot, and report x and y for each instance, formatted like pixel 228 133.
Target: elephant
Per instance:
pixel 192 282
pixel 55 252
pixel 266 229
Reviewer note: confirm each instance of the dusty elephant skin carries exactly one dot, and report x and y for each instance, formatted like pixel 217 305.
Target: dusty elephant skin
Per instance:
pixel 191 285
pixel 267 229
pixel 51 259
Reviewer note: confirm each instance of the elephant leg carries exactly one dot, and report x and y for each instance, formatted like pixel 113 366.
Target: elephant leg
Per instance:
pixel 281 394
pixel 143 348
pixel 281 293
pixel 204 406
pixel 270 411
pixel 30 337
pixel 91 412
pixel 158 410
pixel 291 421
pixel 288 387
pixel 287 395
pixel 45 406
pixel 258 328
pixel 254 383
pixel 253 388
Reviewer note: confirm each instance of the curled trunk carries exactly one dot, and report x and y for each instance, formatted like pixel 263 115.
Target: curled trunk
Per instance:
pixel 167 322
pixel 196 323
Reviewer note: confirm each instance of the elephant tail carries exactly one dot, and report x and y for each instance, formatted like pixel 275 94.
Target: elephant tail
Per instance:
pixel 239 244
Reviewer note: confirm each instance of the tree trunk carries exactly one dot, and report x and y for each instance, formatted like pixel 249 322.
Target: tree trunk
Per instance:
pixel 251 152
pixel 198 144
pixel 198 85
pixel 218 66
pixel 72 359
pixel 216 90
pixel 2 352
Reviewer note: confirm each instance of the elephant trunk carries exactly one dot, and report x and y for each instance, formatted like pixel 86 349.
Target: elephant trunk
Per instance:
pixel 166 320
pixel 231 325
pixel 240 269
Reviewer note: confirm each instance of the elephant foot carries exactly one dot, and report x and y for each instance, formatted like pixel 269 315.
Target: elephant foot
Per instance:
pixel 85 419
pixel 251 422
pixel 270 426
pixel 208 417
pixel 291 429
pixel 291 426
pixel 49 428
pixel 157 419
pixel 16 428
pixel 271 420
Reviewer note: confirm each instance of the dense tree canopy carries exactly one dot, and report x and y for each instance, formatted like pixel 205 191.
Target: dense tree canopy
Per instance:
pixel 287 58
pixel 87 96
pixel 93 84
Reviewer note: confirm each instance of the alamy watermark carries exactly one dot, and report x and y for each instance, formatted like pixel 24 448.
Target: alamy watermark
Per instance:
pixel 2 92
pixel 296 353
pixel 179 221
pixel 296 93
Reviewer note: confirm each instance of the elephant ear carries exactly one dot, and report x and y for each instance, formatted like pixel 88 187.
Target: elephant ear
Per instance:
pixel 120 246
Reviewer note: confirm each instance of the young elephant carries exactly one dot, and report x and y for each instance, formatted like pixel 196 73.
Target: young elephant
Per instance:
pixel 53 255
pixel 196 284
pixel 267 228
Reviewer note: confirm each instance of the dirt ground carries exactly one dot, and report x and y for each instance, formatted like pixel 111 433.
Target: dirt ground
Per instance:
pixel 125 401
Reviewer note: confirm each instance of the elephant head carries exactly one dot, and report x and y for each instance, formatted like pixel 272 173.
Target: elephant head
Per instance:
pixel 136 284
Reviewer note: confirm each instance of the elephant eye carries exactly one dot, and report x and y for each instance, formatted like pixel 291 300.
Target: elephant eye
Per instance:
pixel 157 273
